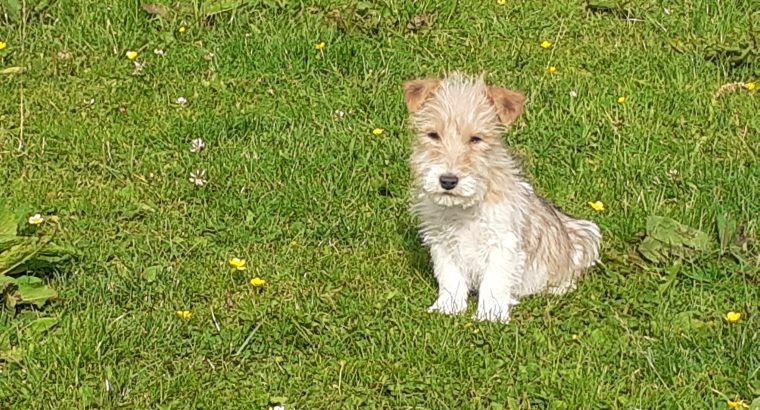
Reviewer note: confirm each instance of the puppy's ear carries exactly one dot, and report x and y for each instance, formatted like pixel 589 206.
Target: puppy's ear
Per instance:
pixel 508 103
pixel 417 91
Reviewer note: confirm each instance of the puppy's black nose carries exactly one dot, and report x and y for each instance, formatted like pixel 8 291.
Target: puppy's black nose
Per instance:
pixel 448 181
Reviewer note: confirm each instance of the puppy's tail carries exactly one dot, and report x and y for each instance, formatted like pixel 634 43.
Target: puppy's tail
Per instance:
pixel 586 238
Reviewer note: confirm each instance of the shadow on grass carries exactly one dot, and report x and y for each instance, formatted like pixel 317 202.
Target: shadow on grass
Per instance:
pixel 417 254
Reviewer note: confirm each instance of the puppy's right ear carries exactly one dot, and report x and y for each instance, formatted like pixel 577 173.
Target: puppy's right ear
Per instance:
pixel 509 104
pixel 417 91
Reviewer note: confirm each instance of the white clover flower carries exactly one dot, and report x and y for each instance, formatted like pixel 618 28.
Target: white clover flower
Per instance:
pixel 197 145
pixel 198 178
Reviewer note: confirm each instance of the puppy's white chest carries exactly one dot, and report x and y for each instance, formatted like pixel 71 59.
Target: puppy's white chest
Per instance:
pixel 468 245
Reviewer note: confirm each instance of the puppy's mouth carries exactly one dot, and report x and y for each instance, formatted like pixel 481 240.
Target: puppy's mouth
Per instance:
pixel 447 194
pixel 451 199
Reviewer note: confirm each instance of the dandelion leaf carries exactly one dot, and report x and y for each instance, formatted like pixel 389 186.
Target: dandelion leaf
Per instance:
pixel 7 224
pixel 46 259
pixel 30 253
pixel 688 322
pixel 30 291
pixel 5 283
pixel 28 281
pixel 667 238
pixel 11 8
pixel 39 326
pixel 150 274
pixel 14 9
pixel 9 241
pixel 653 250
pixel 158 10
pixel 15 255
pixel 672 233
pixel 744 53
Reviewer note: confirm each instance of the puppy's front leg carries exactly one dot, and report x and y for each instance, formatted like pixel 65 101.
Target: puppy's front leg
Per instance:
pixel 452 285
pixel 500 278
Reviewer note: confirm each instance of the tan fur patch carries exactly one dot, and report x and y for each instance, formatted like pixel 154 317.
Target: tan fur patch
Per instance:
pixel 508 103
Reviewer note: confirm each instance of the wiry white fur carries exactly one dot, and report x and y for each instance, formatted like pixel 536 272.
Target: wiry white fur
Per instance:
pixel 475 248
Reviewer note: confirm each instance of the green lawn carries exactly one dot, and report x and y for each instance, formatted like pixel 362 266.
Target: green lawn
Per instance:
pixel 318 205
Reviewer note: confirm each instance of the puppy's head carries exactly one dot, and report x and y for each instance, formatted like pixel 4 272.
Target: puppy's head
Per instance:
pixel 458 146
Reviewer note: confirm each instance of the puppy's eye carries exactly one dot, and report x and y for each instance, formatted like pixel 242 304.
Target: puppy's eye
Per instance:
pixel 433 136
pixel 475 139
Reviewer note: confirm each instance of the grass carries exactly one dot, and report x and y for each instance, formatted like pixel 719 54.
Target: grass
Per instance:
pixel 318 206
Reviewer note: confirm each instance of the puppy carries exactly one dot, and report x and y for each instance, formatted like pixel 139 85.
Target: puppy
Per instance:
pixel 487 230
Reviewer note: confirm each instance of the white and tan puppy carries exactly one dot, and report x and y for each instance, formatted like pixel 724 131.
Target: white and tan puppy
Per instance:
pixel 486 228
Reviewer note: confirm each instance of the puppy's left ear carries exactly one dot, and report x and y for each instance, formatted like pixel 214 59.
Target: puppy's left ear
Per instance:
pixel 508 103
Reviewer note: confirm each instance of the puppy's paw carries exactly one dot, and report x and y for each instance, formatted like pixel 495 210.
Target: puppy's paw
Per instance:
pixel 491 310
pixel 448 306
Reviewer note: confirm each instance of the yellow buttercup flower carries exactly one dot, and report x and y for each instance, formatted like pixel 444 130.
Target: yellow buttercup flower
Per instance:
pixel 621 100
pixel 182 29
pixel 258 282
pixel 378 132
pixel 749 86
pixel 237 263
pixel 184 314
pixel 36 219
pixel 738 404
pixel 546 44
pixel 733 317
pixel 131 54
pixel 598 206
pixel 3 45
pixel 501 2
pixel 320 46
pixel 551 69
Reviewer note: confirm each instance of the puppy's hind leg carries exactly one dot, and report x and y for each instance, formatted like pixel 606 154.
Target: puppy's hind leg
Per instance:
pixel 566 286
pixel 585 238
